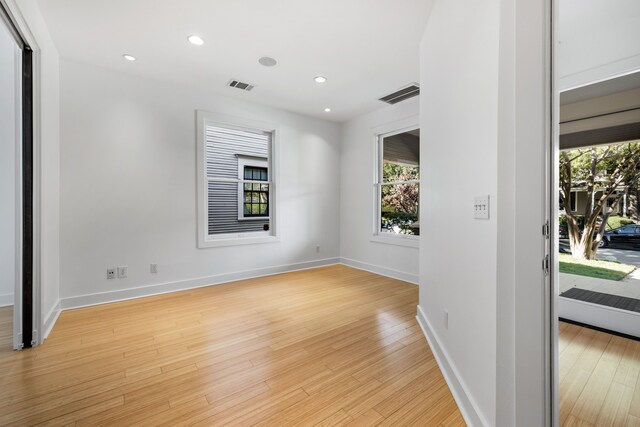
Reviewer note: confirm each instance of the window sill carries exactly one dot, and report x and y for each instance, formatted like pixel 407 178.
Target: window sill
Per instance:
pixel 236 241
pixel 397 240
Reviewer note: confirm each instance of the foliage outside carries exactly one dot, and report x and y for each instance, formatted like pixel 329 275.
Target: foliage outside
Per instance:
pixel 612 223
pixel 617 222
pixel 594 268
pixel 399 201
pixel 599 170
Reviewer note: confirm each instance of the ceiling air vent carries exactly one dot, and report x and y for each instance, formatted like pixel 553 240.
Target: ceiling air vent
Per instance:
pixel 402 94
pixel 240 85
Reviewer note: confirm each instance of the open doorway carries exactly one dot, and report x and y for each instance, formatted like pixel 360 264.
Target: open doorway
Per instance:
pixel 599 218
pixel 16 187
pixel 597 211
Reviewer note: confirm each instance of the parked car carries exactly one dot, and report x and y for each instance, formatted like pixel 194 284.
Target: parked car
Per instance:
pixel 627 236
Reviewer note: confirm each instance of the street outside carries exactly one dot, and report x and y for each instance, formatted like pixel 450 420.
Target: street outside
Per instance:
pixel 625 256
pixel 628 287
pixel 621 255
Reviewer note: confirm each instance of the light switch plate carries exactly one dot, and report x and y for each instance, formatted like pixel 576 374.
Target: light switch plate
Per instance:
pixel 481 207
pixel 122 271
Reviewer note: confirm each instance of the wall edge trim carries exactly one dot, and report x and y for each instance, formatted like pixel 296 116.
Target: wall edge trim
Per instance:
pixel 464 400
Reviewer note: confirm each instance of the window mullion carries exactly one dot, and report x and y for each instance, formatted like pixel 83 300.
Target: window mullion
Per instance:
pixel 236 180
pixel 399 182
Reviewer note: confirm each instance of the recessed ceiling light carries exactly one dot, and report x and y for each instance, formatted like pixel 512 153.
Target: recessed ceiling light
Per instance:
pixel 267 61
pixel 193 39
pixel 327 110
pixel 129 57
pixel 320 79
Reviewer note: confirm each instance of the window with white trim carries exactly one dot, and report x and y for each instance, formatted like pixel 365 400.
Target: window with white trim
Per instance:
pixel 253 191
pixel 236 185
pixel 398 184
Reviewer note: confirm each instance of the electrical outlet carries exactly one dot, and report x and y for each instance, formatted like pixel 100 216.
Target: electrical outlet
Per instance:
pixel 122 271
pixel 153 268
pixel 481 207
pixel 111 273
pixel 445 318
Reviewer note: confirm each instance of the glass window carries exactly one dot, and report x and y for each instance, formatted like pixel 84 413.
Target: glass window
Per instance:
pixel 627 229
pixel 237 176
pixel 255 195
pixel 398 186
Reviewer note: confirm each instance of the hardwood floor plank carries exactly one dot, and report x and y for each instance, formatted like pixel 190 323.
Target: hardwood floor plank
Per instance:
pixel 368 419
pixel 326 346
pixel 600 378
pixel 589 404
pixel 615 408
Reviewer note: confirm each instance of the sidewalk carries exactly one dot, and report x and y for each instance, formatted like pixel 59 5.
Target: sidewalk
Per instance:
pixel 628 287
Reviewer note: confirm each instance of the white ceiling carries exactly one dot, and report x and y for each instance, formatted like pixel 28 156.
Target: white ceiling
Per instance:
pixel 365 48
pixel 603 88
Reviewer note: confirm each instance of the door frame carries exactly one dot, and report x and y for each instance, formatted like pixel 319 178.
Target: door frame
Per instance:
pixel 553 198
pixel 27 299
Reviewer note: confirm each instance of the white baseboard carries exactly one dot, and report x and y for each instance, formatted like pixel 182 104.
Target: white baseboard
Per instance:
pixel 51 319
pixel 466 404
pixel 163 288
pixel 6 300
pixel 383 271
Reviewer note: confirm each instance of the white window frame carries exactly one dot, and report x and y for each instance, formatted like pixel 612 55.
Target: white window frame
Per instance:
pixel 205 240
pixel 255 162
pixel 381 132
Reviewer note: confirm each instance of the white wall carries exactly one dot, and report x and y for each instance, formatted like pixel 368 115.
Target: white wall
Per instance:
pixel 598 39
pixel 128 162
pixel 484 110
pixel 459 117
pixel 9 61
pixel 357 198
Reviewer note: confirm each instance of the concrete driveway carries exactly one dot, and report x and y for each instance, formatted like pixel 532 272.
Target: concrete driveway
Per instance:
pixel 624 256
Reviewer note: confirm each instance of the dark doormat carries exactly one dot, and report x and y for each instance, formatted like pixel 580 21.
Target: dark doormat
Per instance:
pixel 623 303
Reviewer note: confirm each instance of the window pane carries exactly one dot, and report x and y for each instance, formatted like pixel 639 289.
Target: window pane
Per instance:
pixel 222 201
pixel 256 201
pixel 234 207
pixel 399 209
pixel 401 157
pixel 225 146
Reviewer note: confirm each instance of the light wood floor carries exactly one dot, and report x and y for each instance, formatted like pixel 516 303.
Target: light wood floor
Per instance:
pixel 6 328
pixel 599 378
pixel 329 346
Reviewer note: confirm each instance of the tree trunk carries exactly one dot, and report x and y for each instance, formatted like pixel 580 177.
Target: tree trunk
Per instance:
pixel 625 160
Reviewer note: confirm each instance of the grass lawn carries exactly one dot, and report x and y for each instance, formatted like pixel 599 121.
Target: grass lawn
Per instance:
pixel 616 222
pixel 599 269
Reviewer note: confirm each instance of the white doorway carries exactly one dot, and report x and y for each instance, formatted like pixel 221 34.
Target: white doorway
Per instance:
pixel 19 192
pixel 10 188
pixel 594 212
